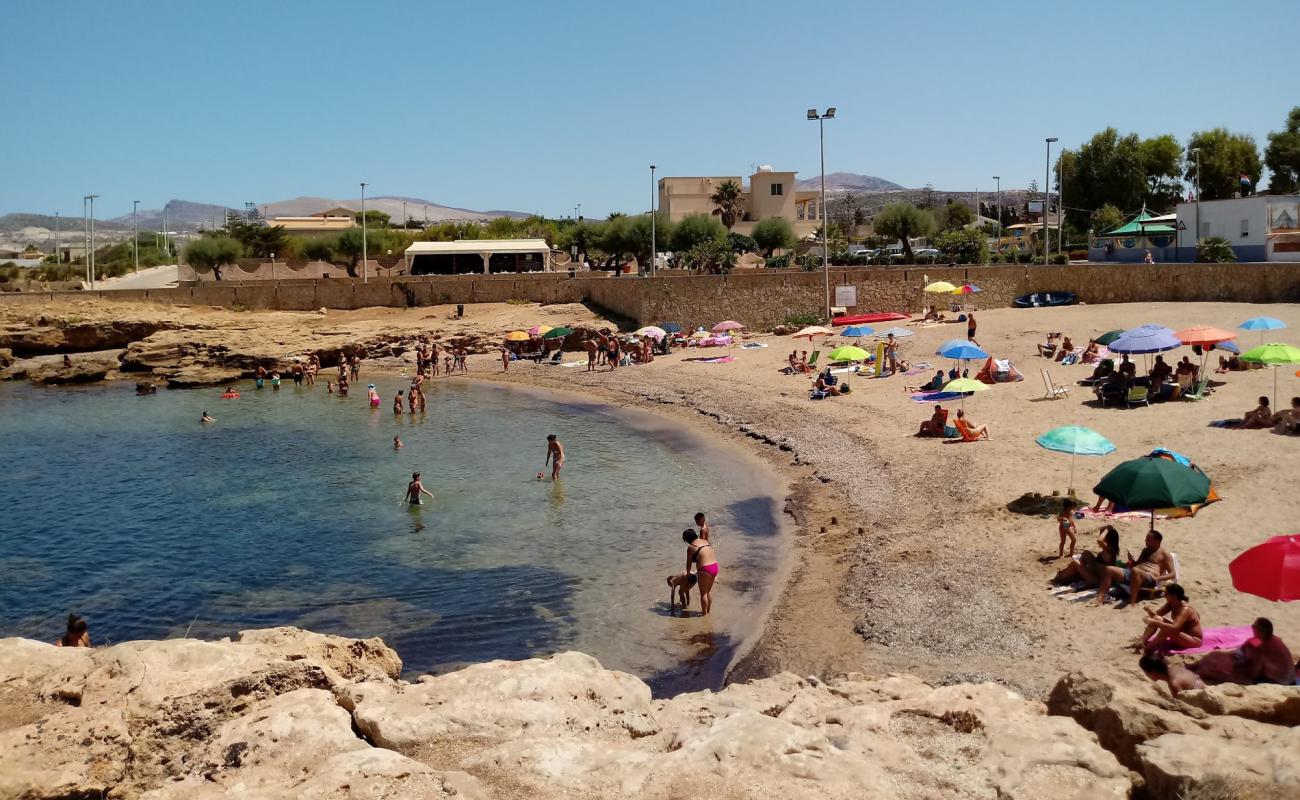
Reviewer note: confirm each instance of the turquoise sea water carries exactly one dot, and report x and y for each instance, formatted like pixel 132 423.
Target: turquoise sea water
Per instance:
pixel 287 510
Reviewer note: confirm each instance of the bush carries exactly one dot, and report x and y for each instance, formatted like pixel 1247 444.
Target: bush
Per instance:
pixel 1025 257
pixel 318 249
pixel 712 257
pixel 995 258
pixel 963 245
pixel 1080 254
pixel 1215 250
pixel 777 262
pixel 1061 259
pixel 740 243
pixel 695 230
pixel 804 319
pixel 810 261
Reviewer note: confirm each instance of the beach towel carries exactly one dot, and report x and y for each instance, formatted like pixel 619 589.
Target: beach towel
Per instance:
pixel 1228 638
pixel 917 369
pixel 1226 423
pixel 574 364
pixel 752 346
pixel 1089 513
pixel 719 360
pixel 935 397
pixel 843 370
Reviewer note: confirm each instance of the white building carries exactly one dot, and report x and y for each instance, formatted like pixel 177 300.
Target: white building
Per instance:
pixel 1260 228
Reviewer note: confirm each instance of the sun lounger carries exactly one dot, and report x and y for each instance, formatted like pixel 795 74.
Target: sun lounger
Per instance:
pixel 1137 395
pixel 1053 390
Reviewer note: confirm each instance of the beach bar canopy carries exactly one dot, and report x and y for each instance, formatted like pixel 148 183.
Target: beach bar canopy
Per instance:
pixel 478 256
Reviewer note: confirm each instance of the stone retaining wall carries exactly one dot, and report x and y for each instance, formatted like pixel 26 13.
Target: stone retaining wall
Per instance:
pixel 761 299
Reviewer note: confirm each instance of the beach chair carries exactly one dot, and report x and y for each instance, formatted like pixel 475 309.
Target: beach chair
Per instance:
pixel 1138 395
pixel 812 359
pixel 1199 391
pixel 1054 391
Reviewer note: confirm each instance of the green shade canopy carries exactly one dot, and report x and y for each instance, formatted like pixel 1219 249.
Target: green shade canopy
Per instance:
pixel 849 353
pixel 1108 337
pixel 1151 483
pixel 557 333
pixel 1138 225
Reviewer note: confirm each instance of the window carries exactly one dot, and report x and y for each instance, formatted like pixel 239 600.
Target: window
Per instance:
pixel 777 189
pixel 799 211
pixel 1205 229
pixel 1245 228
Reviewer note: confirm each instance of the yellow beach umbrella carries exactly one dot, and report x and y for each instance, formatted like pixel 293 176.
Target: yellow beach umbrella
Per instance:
pixel 517 336
pixel 941 287
pixel 965 385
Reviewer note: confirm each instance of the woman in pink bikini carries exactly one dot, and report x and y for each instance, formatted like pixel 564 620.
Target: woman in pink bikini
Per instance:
pixel 700 554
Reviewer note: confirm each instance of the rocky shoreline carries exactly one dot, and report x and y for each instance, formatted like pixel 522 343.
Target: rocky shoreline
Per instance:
pixel 289 713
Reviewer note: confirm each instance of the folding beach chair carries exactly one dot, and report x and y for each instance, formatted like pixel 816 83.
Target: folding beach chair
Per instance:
pixel 1138 395
pixel 1199 391
pixel 1054 391
pixel 812 359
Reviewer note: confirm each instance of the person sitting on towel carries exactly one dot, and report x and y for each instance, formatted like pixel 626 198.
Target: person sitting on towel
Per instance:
pixel 934 385
pixel 1091 353
pixel 935 425
pixel 1046 350
pixel 1230 364
pixel 1259 417
pixel 1066 349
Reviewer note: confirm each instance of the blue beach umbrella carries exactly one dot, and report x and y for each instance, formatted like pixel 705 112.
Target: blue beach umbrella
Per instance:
pixel 1077 441
pixel 1262 324
pixel 857 331
pixel 1146 339
pixel 960 349
pixel 671 327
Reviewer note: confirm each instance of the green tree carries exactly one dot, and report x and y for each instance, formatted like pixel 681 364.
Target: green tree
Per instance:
pixel 1106 169
pixel 902 222
pixel 964 245
pixel 1224 158
pixel 740 243
pixel 710 256
pixel 729 203
pixel 774 233
pixel 954 215
pixel 213 253
pixel 1215 250
pixel 319 248
pixel 1283 156
pixel 374 218
pixel 1162 163
pixel 696 229
pixel 1107 218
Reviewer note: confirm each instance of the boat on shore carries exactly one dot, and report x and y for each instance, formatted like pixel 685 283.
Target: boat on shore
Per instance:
pixel 1045 299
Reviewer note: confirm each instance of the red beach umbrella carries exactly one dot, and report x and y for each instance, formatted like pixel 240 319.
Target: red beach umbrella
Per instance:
pixel 1270 570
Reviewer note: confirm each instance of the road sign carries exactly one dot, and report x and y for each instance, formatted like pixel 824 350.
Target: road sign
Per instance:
pixel 1182 226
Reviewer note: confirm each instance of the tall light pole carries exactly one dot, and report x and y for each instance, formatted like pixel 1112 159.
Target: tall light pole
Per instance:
pixel 58 240
pixel 826 256
pixel 1047 196
pixel 90 259
pixel 135 233
pixel 654 245
pixel 1196 234
pixel 364 252
pixel 998 178
pixel 403 215
pixel 85 235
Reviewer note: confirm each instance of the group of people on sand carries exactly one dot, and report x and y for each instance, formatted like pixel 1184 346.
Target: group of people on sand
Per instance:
pixel 701 569
pixel 426 359
pixel 963 427
pixel 1261 417
pixel 1060 348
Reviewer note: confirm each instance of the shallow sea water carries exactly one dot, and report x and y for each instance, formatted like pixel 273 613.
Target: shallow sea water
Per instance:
pixel 287 511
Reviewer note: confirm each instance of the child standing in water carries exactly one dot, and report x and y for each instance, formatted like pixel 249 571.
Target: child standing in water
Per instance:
pixel 397 402
pixel 1065 526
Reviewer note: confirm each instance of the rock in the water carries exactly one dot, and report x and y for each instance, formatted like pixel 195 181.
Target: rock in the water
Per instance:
pixel 195 376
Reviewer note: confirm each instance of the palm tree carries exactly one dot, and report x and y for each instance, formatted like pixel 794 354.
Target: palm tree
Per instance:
pixel 730 203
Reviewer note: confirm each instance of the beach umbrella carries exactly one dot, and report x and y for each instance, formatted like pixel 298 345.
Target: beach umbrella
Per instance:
pixel 1109 336
pixel 960 349
pixel 849 353
pixel 1146 339
pixel 1152 482
pixel 1231 347
pixel 899 333
pixel 965 386
pixel 1076 441
pixel 813 330
pixel 941 287
pixel 857 331
pixel 671 327
pixel 727 325
pixel 652 331
pixel 517 336
pixel 700 335
pixel 966 288
pixel 557 333
pixel 538 330
pixel 1204 335
pixel 1262 324
pixel 1273 354
pixel 1270 570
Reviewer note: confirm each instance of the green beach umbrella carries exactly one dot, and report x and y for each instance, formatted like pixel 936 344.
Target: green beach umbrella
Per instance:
pixel 557 333
pixel 1153 482
pixel 965 385
pixel 849 353
pixel 1108 337
pixel 1076 441
pixel 1273 354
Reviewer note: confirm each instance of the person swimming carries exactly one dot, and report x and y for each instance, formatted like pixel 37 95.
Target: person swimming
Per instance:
pixel 206 418
pixel 397 443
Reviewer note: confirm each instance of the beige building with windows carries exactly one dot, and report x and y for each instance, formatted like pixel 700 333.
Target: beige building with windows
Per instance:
pixel 315 225
pixel 768 194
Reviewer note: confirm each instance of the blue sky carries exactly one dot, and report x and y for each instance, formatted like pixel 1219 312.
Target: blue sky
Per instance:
pixel 538 106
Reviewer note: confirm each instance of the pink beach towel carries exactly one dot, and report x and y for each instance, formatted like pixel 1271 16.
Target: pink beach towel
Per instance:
pixel 1089 513
pixel 1219 639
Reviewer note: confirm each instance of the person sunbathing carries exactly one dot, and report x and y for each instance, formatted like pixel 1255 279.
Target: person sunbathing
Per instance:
pixel 1091 353
pixel 1173 626
pixel 1046 350
pixel 822 386
pixel 1152 567
pixel 1260 416
pixel 1066 349
pixel 1088 568
pixel 1288 420
pixel 936 424
pixel 1179 678
pixel 934 384
pixel 970 431
pixel 1230 364
pixel 931 315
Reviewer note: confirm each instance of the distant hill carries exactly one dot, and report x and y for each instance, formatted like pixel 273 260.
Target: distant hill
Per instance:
pixel 416 208
pixel 182 215
pixel 848 182
pixel 13 223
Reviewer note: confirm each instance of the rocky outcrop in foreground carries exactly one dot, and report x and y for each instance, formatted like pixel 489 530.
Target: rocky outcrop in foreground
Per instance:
pixel 285 713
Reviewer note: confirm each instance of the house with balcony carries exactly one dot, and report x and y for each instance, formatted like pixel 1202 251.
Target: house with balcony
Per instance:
pixel 767 193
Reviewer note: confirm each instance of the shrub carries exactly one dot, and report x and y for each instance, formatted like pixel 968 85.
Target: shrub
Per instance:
pixel 995 258
pixel 1025 257
pixel 777 262
pixel 963 245
pixel 695 230
pixel 803 319
pixel 774 233
pixel 740 243
pixel 713 257
pixel 810 261
pixel 1215 250
pixel 1060 258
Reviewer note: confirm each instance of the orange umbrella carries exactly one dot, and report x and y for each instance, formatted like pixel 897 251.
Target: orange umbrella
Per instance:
pixel 1204 335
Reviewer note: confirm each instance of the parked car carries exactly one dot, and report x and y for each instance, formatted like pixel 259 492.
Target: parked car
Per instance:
pixel 928 252
pixel 858 250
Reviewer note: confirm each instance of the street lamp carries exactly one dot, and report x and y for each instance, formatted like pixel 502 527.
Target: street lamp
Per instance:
pixel 998 178
pixel 273 266
pixel 826 257
pixel 654 246
pixel 364 251
pixel 135 234
pixel 1196 234
pixel 1047 195
pixel 90 254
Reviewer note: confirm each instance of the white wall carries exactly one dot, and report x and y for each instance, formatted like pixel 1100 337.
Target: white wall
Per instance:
pixel 1225 218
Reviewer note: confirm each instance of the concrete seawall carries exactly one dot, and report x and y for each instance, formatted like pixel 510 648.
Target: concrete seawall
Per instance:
pixel 761 299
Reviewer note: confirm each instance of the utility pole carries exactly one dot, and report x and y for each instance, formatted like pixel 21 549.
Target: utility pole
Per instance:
pixel 135 233
pixel 403 215
pixel 998 178
pixel 1047 198
pixel 90 258
pixel 364 252
pixel 1196 235
pixel 826 233
pixel 58 244
pixel 654 245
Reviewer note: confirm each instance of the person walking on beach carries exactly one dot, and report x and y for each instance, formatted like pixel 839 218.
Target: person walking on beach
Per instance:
pixel 77 634
pixel 415 489
pixel 554 455
pixel 590 346
pixel 970 328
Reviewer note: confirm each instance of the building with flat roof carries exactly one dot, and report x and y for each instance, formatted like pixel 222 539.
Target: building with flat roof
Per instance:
pixel 481 256
pixel 769 193
pixel 315 225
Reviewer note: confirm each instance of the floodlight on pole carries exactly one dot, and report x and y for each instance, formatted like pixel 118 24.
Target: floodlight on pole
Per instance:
pixel 135 233
pixel 1196 234
pixel 998 178
pixel 1047 196
pixel 826 258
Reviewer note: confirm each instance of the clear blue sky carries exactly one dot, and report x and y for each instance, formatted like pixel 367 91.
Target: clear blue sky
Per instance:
pixel 537 106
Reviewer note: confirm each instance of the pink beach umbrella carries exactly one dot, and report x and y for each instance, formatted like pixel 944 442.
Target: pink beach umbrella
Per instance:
pixel 726 326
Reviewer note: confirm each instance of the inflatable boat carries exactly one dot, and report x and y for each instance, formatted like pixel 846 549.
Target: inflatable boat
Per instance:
pixel 1043 299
